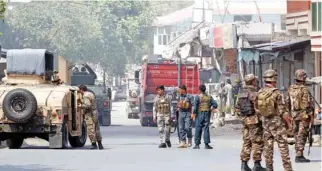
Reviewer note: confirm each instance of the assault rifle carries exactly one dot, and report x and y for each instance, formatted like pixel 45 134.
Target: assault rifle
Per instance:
pixel 310 137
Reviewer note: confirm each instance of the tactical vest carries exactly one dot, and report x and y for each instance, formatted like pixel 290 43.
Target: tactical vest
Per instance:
pixel 204 103
pixel 266 101
pixel 91 96
pixel 296 93
pixel 246 104
pixel 184 103
pixel 163 105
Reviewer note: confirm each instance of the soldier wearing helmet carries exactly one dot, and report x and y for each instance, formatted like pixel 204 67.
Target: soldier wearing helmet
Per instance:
pixel 236 89
pixel 272 107
pixel 247 109
pixel 301 108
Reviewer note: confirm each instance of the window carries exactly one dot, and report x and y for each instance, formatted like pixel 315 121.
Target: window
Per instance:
pixel 316 16
pixel 165 39
pixel 160 39
pixel 242 17
pixel 283 22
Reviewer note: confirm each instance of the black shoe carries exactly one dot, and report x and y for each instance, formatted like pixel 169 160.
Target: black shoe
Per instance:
pixel 196 147
pixel 162 145
pixel 93 146
pixel 258 166
pixel 100 146
pixel 244 166
pixel 207 146
pixel 168 143
pixel 301 159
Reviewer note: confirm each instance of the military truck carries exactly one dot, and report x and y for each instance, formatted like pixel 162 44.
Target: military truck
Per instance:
pixel 83 74
pixel 35 104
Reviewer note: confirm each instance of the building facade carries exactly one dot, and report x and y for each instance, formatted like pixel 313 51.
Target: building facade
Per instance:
pixel 304 18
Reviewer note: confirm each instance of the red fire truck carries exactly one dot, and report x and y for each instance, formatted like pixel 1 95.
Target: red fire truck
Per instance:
pixel 166 73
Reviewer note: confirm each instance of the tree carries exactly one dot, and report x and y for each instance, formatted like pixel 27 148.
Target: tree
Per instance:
pixel 112 33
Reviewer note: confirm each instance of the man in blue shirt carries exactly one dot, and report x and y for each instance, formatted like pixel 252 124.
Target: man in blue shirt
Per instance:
pixel 202 113
pixel 185 122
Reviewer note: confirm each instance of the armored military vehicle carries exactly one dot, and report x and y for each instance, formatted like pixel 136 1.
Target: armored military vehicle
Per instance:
pixel 35 104
pixel 83 74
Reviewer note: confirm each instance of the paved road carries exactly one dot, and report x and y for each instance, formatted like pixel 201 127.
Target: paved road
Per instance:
pixel 133 148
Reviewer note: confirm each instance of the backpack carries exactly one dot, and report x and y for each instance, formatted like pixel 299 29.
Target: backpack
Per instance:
pixel 266 102
pixel 295 94
pixel 246 104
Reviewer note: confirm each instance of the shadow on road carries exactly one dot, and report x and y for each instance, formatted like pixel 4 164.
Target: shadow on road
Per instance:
pixel 34 167
pixel 47 148
pixel 315 161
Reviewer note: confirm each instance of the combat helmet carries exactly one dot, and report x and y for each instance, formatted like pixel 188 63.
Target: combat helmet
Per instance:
pixel 300 75
pixel 270 76
pixel 249 78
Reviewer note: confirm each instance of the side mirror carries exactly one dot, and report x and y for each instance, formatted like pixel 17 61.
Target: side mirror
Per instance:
pixel 137 76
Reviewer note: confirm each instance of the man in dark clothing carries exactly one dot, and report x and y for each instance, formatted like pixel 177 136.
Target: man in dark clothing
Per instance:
pixel 202 113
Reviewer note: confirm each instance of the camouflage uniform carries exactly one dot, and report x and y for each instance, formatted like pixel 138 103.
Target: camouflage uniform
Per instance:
pixel 247 110
pixel 91 117
pixel 202 107
pixel 300 103
pixel 162 111
pixel 272 107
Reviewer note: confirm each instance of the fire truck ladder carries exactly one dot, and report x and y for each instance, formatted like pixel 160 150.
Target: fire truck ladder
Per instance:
pixel 190 79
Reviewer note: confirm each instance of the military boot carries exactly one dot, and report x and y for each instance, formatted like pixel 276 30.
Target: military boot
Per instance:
pixel 258 166
pixel 162 145
pixel 168 143
pixel 207 146
pixel 93 146
pixel 301 159
pixel 244 166
pixel 196 147
pixel 189 142
pixel 100 145
pixel 183 144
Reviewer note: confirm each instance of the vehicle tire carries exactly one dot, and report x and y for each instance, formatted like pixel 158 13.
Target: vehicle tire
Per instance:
pixel 144 122
pixel 129 115
pixel 14 143
pixel 79 141
pixel 64 131
pixel 19 105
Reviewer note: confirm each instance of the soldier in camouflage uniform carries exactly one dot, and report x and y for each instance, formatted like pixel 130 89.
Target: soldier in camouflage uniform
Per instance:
pixel 247 109
pixel 162 115
pixel 272 107
pixel 91 117
pixel 301 108
pixel 202 113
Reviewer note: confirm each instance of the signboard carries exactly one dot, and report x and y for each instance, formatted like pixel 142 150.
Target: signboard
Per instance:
pixel 224 36
pixel 230 57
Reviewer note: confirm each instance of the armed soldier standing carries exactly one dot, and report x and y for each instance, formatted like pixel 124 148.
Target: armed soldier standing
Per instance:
pixel 247 109
pixel 91 117
pixel 301 109
pixel 272 107
pixel 202 108
pixel 162 115
pixel 185 122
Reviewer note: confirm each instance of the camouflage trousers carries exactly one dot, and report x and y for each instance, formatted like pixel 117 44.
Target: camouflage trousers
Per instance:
pixel 274 129
pixel 252 141
pixel 301 133
pixel 164 127
pixel 93 127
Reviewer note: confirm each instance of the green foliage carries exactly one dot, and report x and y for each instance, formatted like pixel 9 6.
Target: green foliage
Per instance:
pixel 110 32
